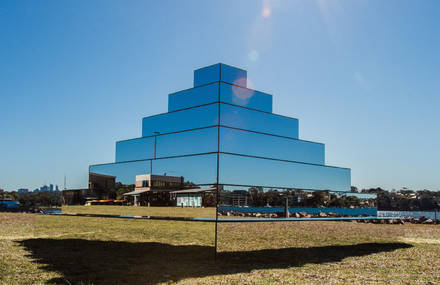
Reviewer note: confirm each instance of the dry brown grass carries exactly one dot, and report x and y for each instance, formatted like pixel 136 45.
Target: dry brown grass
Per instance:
pixel 142 211
pixel 57 249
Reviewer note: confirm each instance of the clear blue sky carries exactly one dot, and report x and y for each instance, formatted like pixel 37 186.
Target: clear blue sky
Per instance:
pixel 362 76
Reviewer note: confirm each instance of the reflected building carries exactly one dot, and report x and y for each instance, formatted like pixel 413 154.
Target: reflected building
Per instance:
pixel 219 132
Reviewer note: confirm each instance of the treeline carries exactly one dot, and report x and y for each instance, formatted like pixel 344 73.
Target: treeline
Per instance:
pixel 297 198
pixel 257 197
pixel 117 193
pixel 401 200
pixel 406 199
pixel 34 199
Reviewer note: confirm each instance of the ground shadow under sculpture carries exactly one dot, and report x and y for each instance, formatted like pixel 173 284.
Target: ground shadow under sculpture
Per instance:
pixel 108 262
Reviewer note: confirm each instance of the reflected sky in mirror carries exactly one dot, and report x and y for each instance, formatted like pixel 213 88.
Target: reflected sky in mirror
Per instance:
pixel 197 117
pixel 190 142
pixel 197 169
pixel 207 75
pixel 241 170
pixel 220 72
pixel 233 116
pixel 174 144
pixel 136 149
pixel 125 172
pixel 244 142
pixel 249 98
pixel 193 97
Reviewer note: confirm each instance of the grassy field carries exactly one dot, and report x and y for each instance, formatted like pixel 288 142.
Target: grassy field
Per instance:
pixel 82 250
pixel 142 211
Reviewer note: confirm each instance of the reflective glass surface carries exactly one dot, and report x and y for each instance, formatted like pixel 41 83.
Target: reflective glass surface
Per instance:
pixel 125 172
pixel 161 184
pixel 135 149
pixel 189 142
pixel 273 200
pixel 193 97
pixel 220 72
pixel 206 75
pixel 197 117
pixel 234 116
pixel 262 163
pixel 241 170
pixel 197 169
pixel 244 142
pixel 249 98
pixel 233 75
pixel 181 143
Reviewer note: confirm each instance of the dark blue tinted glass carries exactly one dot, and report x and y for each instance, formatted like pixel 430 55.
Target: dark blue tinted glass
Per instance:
pixel 220 72
pixel 233 116
pixel 181 143
pixel 241 170
pixel 135 149
pixel 189 142
pixel 197 169
pixel 206 75
pixel 233 75
pixel 124 172
pixel 197 117
pixel 193 97
pixel 244 142
pixel 249 98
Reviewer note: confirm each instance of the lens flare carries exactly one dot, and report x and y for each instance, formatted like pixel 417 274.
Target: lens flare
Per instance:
pixel 253 55
pixel 241 96
pixel 266 12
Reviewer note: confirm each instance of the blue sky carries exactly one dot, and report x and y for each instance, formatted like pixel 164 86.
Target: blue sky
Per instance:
pixel 361 76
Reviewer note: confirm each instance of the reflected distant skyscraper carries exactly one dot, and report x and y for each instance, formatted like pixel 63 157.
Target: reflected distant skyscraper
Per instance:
pixel 23 190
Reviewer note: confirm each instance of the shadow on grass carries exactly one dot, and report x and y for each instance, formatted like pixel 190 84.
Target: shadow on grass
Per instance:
pixel 107 262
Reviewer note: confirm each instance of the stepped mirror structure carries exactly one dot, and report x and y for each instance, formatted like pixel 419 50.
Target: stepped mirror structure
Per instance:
pixel 220 153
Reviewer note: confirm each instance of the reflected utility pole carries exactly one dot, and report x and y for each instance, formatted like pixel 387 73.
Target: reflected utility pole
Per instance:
pixel 154 154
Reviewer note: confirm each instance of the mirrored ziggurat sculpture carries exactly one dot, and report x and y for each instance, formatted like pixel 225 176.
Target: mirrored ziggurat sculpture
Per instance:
pixel 218 133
